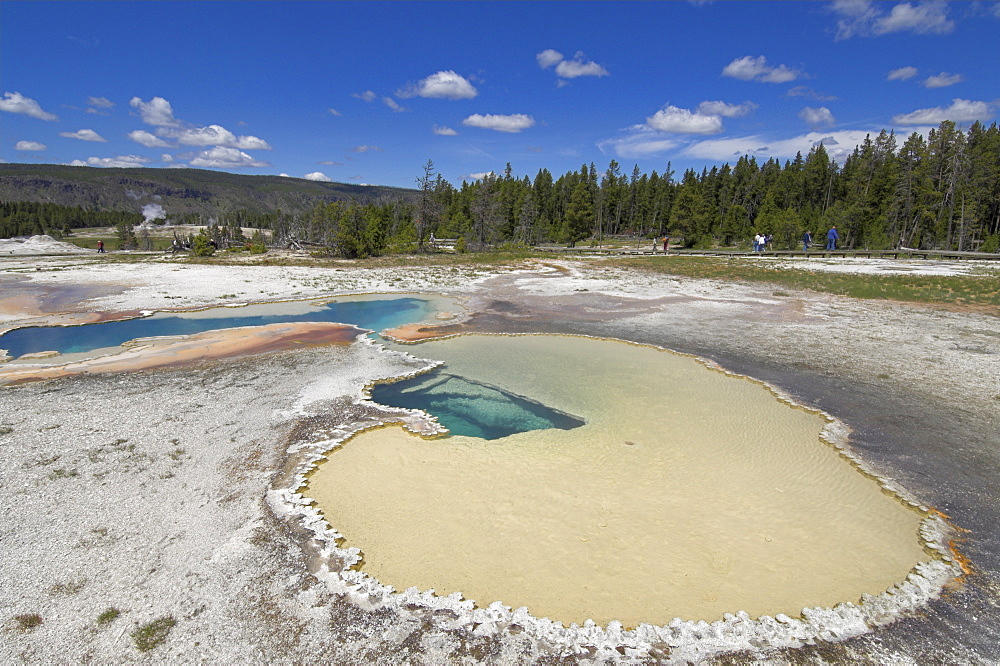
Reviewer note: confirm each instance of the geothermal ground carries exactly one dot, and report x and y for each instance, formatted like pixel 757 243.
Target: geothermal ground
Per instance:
pixel 163 493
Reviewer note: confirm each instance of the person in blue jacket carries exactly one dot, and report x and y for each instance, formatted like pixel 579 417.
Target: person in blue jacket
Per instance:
pixel 807 238
pixel 831 238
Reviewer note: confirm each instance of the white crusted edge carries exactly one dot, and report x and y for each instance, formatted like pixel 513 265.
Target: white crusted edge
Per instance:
pixel 687 640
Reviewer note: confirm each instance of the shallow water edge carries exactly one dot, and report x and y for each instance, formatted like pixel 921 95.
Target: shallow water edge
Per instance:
pixel 685 639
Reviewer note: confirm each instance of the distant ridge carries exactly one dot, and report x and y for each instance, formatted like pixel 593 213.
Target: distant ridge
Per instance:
pixel 178 191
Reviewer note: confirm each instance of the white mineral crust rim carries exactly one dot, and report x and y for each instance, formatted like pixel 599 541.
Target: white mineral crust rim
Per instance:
pixel 687 640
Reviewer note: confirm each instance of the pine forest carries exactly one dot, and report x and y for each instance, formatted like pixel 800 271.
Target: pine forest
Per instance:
pixel 938 192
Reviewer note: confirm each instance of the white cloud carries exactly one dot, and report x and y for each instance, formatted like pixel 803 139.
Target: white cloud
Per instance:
pixel 221 157
pixel 478 176
pixel 902 74
pixel 213 135
pixel 366 149
pixel 334 112
pixel 839 145
pixel 570 69
pixel 393 104
pixel 120 162
pixel 641 144
pixel 961 110
pixel 683 121
pixel 806 91
pixel 921 18
pixel 15 102
pixel 441 85
pixel 368 95
pixel 330 163
pixel 726 110
pixel 444 131
pixel 749 68
pixel 147 139
pixel 166 157
pixel 943 80
pixel 868 19
pixel 100 102
pixel 511 123
pixel 580 66
pixel 84 135
pixel 548 57
pixel 29 145
pixel 816 117
pixel 318 176
pixel 156 111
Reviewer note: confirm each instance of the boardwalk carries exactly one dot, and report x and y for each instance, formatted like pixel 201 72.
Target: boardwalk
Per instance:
pixel 901 253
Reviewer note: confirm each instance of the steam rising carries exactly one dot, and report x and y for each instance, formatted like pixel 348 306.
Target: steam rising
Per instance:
pixel 152 212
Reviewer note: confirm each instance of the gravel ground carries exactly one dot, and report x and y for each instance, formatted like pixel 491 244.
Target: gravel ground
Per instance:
pixel 154 493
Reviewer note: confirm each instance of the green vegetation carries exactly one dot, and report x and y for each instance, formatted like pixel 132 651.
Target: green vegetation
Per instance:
pixel 953 290
pixel 62 474
pixel 108 616
pixel 942 192
pixel 157 243
pixel 203 246
pixel 28 621
pixel 148 636
pixel 185 194
pixel 27 218
pixel 70 588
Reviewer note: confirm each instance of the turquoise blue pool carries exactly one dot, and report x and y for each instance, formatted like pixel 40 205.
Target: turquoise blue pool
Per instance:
pixel 463 405
pixel 374 314
pixel 471 408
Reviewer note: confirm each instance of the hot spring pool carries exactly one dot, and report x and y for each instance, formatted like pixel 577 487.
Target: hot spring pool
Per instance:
pixel 376 312
pixel 680 491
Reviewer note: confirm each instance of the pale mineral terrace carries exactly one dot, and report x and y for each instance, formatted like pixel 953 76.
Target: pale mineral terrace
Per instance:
pixel 165 493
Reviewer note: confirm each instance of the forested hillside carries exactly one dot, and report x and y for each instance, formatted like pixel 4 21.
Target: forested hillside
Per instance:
pixel 942 192
pixel 179 191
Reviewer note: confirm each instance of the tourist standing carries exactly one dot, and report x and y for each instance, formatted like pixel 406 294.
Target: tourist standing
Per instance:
pixel 807 238
pixel 832 237
pixel 100 247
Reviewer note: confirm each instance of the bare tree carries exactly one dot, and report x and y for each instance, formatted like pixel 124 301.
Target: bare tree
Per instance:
pixel 486 211
pixel 428 208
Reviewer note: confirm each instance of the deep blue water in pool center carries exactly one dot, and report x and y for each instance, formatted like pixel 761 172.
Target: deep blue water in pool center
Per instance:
pixel 374 314
pixel 472 408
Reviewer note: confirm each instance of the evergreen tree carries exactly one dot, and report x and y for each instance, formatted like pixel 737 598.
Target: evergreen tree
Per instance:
pixel 578 218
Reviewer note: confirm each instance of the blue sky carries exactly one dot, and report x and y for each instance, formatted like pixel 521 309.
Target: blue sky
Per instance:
pixel 367 92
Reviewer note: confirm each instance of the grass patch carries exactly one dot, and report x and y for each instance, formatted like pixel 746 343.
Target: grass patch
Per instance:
pixel 148 636
pixel 62 474
pixel 6 430
pixel 498 258
pixel 159 243
pixel 28 621
pixel 936 289
pixel 108 616
pixel 70 588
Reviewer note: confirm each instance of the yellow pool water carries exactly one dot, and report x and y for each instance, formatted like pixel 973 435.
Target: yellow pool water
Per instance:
pixel 688 493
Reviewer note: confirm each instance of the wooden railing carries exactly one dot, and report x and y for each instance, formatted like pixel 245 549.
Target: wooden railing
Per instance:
pixel 901 253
